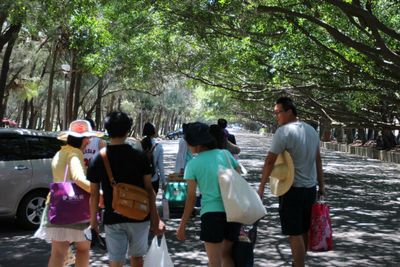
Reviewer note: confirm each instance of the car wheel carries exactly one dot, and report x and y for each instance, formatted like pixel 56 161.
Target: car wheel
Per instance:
pixel 30 210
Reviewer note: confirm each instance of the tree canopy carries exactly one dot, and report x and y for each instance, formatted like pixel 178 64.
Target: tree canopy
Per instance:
pixel 339 60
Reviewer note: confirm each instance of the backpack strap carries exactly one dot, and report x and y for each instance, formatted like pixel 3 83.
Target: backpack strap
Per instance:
pixel 107 165
pixel 152 149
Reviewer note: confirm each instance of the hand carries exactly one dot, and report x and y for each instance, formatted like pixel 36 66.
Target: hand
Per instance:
pixel 180 232
pixel 160 228
pixel 321 193
pixel 261 192
pixel 95 226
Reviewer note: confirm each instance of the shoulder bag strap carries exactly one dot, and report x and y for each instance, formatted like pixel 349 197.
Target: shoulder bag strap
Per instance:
pixel 66 173
pixel 107 165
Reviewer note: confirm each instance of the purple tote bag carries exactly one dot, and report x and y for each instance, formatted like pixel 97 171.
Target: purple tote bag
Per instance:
pixel 69 204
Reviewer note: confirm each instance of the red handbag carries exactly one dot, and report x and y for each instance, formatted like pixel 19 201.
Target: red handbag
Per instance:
pixel 320 235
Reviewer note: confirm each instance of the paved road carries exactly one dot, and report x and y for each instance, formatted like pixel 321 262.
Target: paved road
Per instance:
pixel 364 196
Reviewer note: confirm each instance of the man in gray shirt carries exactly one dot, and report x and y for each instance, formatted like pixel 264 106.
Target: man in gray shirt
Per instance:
pixel 302 143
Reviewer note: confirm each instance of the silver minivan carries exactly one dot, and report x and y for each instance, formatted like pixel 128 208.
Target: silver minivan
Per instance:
pixel 25 173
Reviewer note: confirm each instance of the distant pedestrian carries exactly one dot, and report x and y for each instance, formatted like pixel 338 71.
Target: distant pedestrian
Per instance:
pixel 224 124
pixel 222 143
pixel 184 153
pixel 94 146
pixel 302 142
pixel 217 234
pixel 69 160
pixel 155 153
pixel 128 165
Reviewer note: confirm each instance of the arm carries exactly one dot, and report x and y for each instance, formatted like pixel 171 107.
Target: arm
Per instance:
pixel 102 144
pixel 234 149
pixel 76 167
pixel 189 205
pixel 94 203
pixel 157 225
pixel 160 164
pixel 320 174
pixel 266 172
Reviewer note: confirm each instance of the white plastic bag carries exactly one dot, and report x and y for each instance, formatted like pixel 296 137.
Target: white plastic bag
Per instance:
pixel 158 256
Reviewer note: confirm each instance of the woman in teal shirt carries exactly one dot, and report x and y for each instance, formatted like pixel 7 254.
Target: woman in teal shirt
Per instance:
pixel 202 171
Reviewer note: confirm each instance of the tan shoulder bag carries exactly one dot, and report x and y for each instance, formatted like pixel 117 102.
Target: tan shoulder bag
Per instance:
pixel 128 200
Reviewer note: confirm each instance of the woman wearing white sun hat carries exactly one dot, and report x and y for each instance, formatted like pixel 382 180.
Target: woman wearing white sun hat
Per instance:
pixel 71 154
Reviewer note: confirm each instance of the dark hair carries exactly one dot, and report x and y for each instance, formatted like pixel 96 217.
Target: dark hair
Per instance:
pixel 198 133
pixel 287 104
pixel 148 129
pixel 75 141
pixel 222 123
pixel 117 124
pixel 218 133
pixel 92 124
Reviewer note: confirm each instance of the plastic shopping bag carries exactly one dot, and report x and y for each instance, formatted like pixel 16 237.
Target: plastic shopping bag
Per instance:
pixel 320 238
pixel 158 256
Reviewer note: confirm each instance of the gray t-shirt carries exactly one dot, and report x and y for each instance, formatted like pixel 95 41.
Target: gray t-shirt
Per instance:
pixel 302 142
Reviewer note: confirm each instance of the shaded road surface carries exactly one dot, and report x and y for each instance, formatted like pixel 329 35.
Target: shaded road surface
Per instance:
pixel 364 196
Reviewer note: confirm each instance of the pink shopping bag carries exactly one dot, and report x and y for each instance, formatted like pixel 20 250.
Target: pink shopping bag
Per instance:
pixel 320 236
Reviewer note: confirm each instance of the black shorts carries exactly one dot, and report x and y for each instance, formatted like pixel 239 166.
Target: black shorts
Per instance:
pixel 295 210
pixel 215 228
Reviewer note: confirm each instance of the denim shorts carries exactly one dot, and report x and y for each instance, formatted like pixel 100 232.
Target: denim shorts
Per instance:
pixel 126 237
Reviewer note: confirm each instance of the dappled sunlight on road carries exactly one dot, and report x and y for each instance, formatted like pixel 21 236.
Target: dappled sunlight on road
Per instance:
pixel 364 199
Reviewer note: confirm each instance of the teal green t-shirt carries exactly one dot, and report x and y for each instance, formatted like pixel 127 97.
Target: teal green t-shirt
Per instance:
pixel 204 169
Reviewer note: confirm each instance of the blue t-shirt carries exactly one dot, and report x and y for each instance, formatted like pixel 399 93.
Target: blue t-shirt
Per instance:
pixel 301 141
pixel 204 169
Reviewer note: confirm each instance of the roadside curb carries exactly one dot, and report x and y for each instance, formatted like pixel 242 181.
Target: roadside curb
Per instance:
pixel 367 152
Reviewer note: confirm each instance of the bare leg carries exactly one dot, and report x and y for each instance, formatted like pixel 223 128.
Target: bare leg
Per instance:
pixel 214 254
pixel 136 261
pixel 227 260
pixel 82 254
pixel 59 250
pixel 305 239
pixel 298 250
pixel 116 264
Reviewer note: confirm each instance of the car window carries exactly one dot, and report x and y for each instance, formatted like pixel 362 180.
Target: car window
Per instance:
pixel 12 148
pixel 42 147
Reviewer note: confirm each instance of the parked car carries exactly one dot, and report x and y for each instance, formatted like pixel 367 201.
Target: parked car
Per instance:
pixel 174 134
pixel 25 173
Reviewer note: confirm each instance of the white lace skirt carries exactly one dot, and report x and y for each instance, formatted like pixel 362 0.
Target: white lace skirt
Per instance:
pixel 60 234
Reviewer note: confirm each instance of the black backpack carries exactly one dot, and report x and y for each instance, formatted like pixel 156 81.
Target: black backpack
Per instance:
pixel 149 154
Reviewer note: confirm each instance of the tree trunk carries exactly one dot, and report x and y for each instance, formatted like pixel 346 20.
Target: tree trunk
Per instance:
pixel 53 111
pixel 24 113
pixel 361 135
pixel 59 123
pixel 349 135
pixel 31 124
pixel 6 64
pixel 77 94
pixel 158 120
pixel 48 115
pixel 389 140
pixel 71 90
pixel 98 104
